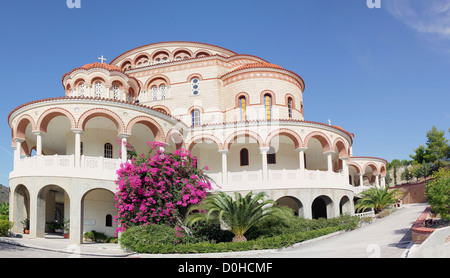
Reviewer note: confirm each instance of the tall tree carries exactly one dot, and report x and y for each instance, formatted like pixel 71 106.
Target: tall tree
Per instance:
pixel 437 146
pixel 395 165
pixel 419 154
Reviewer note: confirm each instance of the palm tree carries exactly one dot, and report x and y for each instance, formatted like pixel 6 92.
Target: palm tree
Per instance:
pixel 378 198
pixel 238 215
pixel 4 208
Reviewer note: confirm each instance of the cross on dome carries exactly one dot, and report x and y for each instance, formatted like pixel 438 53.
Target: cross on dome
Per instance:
pixel 102 59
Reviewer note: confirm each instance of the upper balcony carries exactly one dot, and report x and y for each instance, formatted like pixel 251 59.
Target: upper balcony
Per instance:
pixel 105 169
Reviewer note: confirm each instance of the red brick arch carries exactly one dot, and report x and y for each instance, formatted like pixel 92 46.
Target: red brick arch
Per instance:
pixel 322 138
pixel 21 126
pixel 356 166
pixel 243 133
pixel 371 165
pixel 154 126
pixel 382 171
pixel 50 114
pixel 178 138
pixel 286 132
pixel 101 112
pixel 339 143
pixel 199 138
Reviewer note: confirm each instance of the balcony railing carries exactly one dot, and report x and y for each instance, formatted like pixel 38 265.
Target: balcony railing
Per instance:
pixel 65 166
pixel 253 180
pixel 105 168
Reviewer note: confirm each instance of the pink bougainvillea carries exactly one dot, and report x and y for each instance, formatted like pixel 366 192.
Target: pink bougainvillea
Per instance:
pixel 157 188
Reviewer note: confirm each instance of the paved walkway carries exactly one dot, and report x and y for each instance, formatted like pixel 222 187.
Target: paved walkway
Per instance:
pixel 388 237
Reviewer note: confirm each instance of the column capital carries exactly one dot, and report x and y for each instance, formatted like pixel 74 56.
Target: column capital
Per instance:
pixel 301 149
pixel 18 140
pixel 123 135
pixel 264 150
pixel 343 158
pixel 38 132
pixel 225 152
pixel 77 130
pixel 328 152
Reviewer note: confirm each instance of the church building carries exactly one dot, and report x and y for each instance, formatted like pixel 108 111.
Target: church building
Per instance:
pixel 240 115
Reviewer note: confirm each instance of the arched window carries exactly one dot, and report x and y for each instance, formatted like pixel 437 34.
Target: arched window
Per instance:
pixel 195 117
pixel 271 156
pixel 98 89
pixel 244 157
pixel 243 107
pixel 108 222
pixel 116 92
pixel 108 150
pixel 155 93
pixel 81 89
pixel 195 86
pixel 290 108
pixel 268 106
pixel 162 89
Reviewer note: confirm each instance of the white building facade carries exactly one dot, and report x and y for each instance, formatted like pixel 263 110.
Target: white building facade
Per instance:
pixel 238 114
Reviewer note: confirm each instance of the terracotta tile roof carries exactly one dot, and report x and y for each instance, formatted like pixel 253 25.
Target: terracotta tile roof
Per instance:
pixel 263 66
pixel 91 98
pixel 100 66
pixel 258 65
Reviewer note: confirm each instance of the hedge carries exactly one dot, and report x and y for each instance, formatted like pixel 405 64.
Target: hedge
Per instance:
pixel 5 226
pixel 135 244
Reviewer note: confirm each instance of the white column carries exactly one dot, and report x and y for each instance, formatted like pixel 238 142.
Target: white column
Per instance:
pixel 383 182
pixel 38 142
pixel 224 166
pixel 329 160
pixel 264 151
pixel 108 91
pixel 123 137
pixel 377 181
pixel 78 133
pixel 18 152
pixel 88 90
pixel 361 180
pixel 301 157
pixel 76 220
pixel 344 167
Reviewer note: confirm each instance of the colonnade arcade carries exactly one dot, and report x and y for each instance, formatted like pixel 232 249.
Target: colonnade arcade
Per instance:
pixel 244 157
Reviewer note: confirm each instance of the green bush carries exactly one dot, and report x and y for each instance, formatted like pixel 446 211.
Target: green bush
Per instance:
pixel 438 193
pixel 5 226
pixel 149 239
pixel 95 236
pixel 4 217
pixel 274 226
pixel 160 239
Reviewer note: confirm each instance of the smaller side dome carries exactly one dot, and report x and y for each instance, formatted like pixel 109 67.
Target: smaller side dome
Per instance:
pixel 101 80
pixel 101 66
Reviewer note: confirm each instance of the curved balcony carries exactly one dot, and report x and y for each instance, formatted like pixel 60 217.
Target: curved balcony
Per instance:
pixel 281 179
pixel 105 169
pixel 65 166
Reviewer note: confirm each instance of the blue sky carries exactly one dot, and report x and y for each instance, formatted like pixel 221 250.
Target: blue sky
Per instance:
pixel 382 74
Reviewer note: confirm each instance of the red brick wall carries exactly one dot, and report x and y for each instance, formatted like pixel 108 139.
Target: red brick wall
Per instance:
pixel 418 232
pixel 413 193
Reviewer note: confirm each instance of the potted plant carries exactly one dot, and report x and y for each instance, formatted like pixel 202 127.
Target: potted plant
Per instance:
pixel 66 228
pixel 26 226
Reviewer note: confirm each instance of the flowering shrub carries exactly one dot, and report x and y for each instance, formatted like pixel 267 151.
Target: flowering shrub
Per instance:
pixel 157 188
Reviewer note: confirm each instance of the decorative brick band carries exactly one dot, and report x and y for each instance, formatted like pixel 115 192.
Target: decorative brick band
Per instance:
pixel 419 232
